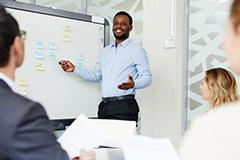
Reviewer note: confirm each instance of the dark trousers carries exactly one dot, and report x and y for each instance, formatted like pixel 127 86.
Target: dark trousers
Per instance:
pixel 126 109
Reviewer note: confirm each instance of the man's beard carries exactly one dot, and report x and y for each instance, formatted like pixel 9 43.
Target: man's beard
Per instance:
pixel 122 37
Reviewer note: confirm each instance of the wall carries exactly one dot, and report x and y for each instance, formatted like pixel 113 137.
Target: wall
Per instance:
pixel 162 113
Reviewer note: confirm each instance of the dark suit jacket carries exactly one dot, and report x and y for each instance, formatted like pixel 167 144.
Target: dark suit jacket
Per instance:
pixel 25 130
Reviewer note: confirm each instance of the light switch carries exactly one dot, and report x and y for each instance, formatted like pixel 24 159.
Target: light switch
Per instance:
pixel 169 42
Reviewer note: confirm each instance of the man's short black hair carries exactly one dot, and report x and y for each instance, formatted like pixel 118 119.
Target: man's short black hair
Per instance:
pixel 9 29
pixel 126 14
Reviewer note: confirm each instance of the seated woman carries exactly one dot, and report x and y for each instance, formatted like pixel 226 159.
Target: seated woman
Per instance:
pixel 219 86
pixel 216 134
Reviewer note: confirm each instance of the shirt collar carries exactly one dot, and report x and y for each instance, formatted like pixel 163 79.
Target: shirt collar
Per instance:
pixel 10 83
pixel 123 44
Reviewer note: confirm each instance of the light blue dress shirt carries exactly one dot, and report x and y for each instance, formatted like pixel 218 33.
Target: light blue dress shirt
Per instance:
pixel 115 64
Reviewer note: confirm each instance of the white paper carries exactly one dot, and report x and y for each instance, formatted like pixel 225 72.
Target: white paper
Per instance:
pixel 143 148
pixel 81 135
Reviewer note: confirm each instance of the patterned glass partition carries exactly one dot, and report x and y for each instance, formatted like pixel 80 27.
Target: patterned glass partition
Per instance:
pixel 206 34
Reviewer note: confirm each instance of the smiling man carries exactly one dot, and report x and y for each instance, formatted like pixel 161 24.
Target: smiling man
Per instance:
pixel 122 67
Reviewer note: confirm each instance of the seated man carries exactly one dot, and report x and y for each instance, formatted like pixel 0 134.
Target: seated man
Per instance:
pixel 26 132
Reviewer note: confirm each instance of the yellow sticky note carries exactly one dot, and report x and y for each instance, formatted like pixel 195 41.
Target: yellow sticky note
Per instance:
pixel 67 28
pixel 67 38
pixel 21 81
pixel 39 66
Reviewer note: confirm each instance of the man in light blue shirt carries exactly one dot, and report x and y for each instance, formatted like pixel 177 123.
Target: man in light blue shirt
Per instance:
pixel 122 67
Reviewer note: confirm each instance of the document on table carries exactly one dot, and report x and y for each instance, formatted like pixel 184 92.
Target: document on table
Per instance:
pixel 143 148
pixel 81 135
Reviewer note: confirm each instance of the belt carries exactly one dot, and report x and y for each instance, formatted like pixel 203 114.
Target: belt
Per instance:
pixel 117 98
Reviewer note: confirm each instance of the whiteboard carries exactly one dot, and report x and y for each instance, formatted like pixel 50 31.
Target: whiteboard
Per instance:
pixel 52 35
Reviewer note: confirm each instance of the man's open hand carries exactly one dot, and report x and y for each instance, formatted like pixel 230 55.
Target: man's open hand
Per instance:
pixel 127 85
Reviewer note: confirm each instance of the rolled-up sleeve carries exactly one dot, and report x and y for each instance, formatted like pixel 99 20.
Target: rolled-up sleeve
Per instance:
pixel 95 75
pixel 144 76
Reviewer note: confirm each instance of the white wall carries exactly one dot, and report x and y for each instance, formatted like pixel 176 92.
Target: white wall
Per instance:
pixel 161 110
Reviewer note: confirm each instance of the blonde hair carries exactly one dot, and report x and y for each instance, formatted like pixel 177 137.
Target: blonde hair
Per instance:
pixel 222 86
